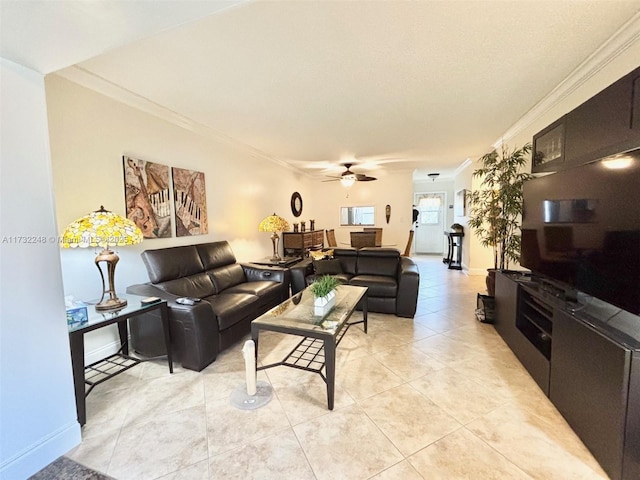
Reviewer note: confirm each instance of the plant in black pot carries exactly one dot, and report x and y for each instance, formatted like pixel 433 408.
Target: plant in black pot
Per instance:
pixel 496 207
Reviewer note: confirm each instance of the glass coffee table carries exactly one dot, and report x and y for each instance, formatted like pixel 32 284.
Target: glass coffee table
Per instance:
pixel 320 335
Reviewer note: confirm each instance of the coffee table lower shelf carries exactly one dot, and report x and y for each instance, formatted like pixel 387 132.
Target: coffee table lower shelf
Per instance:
pixel 308 355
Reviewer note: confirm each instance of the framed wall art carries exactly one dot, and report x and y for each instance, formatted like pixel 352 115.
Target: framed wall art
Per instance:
pixel 190 201
pixel 147 198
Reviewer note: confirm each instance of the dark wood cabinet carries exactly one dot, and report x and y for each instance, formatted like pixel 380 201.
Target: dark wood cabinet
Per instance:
pixel 548 147
pixel 592 386
pixel 518 321
pixel 299 243
pixel 588 367
pixel 601 126
pixel 606 124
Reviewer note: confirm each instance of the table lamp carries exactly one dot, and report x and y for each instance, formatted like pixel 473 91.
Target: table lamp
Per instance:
pixel 274 224
pixel 105 229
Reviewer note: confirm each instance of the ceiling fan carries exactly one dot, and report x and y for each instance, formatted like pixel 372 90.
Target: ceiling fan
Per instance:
pixel 348 178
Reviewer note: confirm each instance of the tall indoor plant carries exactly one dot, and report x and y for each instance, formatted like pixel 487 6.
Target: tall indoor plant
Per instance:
pixel 496 207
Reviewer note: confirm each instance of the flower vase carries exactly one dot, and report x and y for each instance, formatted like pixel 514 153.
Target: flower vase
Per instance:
pixel 322 305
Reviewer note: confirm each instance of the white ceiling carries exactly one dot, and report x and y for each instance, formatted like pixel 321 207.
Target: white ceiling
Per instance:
pixel 396 85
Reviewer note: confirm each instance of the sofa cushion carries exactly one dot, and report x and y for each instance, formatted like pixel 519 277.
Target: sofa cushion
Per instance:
pixel 231 308
pixel 379 285
pixel 342 278
pixel 225 277
pixel 348 259
pixel 269 293
pixel 260 288
pixel 215 254
pixel 378 261
pixel 327 267
pixel 171 263
pixel 198 285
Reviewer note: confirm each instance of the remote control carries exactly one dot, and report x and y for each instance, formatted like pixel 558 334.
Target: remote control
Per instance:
pixel 185 301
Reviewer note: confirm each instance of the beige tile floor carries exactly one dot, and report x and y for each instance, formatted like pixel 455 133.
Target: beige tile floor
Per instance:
pixel 439 396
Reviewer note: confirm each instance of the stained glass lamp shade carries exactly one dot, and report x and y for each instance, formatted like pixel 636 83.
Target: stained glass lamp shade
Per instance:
pixel 274 224
pixel 104 229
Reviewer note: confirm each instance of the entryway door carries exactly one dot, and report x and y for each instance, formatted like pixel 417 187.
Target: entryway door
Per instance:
pixel 429 228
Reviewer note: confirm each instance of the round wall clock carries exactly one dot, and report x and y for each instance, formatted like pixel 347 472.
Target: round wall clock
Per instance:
pixel 296 204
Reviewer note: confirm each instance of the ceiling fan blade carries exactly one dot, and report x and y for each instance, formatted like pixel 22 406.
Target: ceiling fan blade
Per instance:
pixel 364 178
pixel 334 179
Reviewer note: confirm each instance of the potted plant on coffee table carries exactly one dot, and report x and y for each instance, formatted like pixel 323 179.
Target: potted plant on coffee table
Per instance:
pixel 324 292
pixel 496 207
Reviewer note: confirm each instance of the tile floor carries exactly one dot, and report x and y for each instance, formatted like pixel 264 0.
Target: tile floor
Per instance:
pixel 436 397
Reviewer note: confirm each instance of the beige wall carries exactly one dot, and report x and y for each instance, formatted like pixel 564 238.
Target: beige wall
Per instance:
pixel 37 410
pixel 89 135
pixel 393 189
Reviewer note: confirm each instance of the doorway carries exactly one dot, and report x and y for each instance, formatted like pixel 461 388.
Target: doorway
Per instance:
pixel 429 227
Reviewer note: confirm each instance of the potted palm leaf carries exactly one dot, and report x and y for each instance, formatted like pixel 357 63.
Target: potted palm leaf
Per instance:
pixel 496 207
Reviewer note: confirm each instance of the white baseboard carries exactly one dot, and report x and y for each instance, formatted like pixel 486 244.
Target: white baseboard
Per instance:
pixel 37 456
pixel 478 271
pixel 102 352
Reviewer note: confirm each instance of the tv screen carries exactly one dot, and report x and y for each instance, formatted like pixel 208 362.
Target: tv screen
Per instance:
pixel 581 227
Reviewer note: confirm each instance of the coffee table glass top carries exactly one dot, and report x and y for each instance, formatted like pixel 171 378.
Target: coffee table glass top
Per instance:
pixel 297 312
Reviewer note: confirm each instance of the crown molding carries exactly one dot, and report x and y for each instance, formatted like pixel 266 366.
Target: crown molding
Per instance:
pixel 462 166
pixel 109 89
pixel 618 43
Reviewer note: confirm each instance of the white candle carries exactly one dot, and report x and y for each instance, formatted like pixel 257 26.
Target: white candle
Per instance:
pixel 249 352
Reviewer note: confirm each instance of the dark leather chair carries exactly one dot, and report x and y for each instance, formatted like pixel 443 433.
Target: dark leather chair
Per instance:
pixel 392 279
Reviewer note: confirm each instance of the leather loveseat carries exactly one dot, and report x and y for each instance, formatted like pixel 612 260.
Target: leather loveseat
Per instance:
pixel 392 280
pixel 232 294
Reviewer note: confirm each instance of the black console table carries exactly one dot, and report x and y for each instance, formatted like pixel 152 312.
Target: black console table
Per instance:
pixel 455 247
pixel 585 358
pixel 103 370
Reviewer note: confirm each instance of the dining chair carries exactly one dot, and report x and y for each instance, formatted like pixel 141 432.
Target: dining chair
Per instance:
pixel 331 238
pixel 363 239
pixel 378 231
pixel 407 250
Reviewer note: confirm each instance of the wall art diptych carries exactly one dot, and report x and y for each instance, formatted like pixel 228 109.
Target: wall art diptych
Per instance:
pixel 147 196
pixel 190 202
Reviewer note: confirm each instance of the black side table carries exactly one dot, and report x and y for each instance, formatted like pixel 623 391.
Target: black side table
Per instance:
pixel 285 262
pixel 455 246
pixel 103 370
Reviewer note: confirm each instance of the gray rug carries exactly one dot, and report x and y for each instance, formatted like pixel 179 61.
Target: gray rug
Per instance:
pixel 66 469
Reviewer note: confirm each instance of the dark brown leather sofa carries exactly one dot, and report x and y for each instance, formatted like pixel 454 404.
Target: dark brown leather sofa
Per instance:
pixel 232 294
pixel 392 279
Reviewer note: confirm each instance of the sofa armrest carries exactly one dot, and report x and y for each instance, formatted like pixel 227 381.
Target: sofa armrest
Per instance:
pixel 299 273
pixel 193 325
pixel 255 273
pixel 408 284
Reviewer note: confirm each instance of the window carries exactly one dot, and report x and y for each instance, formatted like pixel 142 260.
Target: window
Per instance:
pixel 430 208
pixel 357 216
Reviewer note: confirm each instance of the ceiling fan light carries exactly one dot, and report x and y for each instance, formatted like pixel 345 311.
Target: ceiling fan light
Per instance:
pixel 348 180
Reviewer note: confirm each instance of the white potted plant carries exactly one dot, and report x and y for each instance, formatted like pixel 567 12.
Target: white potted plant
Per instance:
pixel 324 292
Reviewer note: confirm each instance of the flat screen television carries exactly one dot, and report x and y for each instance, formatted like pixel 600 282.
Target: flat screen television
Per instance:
pixel 581 229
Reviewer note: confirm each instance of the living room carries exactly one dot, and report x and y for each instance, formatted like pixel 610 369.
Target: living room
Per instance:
pixel 62 158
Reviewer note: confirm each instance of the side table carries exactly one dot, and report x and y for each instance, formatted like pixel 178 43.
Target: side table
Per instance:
pixel 103 370
pixel 454 247
pixel 285 262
